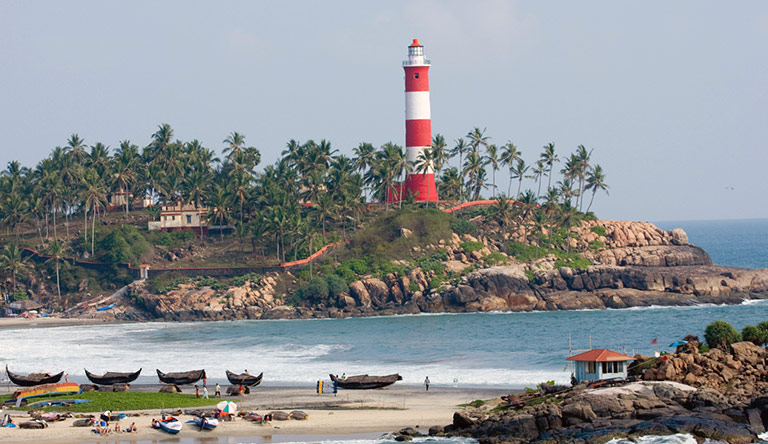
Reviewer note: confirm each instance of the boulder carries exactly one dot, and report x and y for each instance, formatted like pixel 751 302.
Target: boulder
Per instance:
pixel 462 421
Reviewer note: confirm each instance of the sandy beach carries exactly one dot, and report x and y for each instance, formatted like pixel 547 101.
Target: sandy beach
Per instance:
pixel 350 412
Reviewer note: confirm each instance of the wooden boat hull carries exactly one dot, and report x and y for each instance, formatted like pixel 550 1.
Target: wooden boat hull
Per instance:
pixel 27 381
pixel 244 379
pixel 210 423
pixel 110 378
pixel 47 389
pixel 181 378
pixel 365 382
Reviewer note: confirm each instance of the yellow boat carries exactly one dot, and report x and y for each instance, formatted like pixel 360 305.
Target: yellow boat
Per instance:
pixel 47 389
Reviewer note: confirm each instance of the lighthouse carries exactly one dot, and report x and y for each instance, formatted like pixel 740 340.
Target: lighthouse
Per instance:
pixel 418 123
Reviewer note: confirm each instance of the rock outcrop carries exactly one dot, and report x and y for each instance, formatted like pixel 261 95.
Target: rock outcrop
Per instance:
pixel 634 409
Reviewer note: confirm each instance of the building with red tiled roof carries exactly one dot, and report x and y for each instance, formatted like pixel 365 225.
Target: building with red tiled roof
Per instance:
pixel 600 363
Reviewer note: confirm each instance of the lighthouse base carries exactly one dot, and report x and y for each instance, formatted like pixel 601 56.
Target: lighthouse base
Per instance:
pixel 422 187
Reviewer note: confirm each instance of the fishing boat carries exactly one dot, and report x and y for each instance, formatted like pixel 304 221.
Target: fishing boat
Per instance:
pixel 365 382
pixel 110 378
pixel 169 425
pixel 206 423
pixel 47 389
pixel 58 402
pixel 181 378
pixel 106 307
pixel 244 379
pixel 33 379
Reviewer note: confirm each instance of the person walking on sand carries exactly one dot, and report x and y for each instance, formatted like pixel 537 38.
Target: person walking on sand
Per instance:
pixel 205 392
pixel 426 383
pixel 218 390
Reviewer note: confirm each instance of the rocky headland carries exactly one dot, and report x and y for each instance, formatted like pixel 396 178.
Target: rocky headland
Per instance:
pixel 720 395
pixel 634 264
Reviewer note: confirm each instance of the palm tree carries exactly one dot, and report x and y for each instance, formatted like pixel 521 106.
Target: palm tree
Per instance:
pixel 492 159
pixel 551 205
pixel 518 172
pixel 596 182
pixel 474 166
pixel 124 165
pixel 548 157
pixel 508 158
pixel 538 172
pixel 12 262
pixel 56 252
pixel 460 148
pixel 583 169
pixel 219 203
pixel 365 154
pixel 450 184
pixel 76 147
pixel 424 165
pixel 440 153
pixel 477 138
pixel 94 196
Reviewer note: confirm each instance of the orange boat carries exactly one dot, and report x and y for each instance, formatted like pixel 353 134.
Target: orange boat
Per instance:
pixel 47 389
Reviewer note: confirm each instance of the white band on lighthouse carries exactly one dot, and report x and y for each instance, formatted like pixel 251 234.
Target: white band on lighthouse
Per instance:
pixel 412 156
pixel 417 105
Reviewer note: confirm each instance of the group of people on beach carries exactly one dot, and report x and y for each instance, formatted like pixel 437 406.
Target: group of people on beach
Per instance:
pixel 205 390
pixel 103 428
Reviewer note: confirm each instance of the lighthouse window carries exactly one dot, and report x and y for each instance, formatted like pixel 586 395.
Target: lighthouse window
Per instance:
pixel 416 75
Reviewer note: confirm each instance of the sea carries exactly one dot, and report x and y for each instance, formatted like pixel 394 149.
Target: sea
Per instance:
pixel 494 350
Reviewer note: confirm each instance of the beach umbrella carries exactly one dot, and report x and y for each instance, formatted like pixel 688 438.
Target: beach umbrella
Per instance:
pixel 227 407
pixel 676 343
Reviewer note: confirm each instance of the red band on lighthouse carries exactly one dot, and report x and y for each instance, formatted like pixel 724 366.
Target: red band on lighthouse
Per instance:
pixel 418 123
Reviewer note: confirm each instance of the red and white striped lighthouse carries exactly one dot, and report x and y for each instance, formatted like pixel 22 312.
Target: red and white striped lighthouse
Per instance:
pixel 418 123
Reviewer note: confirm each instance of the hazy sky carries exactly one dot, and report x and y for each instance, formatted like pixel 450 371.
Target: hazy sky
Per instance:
pixel 672 96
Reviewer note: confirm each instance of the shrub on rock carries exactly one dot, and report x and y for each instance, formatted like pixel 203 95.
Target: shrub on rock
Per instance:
pixel 721 334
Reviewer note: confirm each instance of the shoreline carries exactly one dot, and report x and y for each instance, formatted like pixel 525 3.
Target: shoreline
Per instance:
pixel 352 412
pixel 42 322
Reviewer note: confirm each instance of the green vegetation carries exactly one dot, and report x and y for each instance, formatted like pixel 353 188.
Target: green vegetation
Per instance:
pixel 598 230
pixel 81 201
pixel 757 334
pixel 122 401
pixel 496 258
pixel 470 247
pixel 721 334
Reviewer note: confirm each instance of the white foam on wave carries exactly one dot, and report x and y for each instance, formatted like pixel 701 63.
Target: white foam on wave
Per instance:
pixel 174 347
pixel 680 438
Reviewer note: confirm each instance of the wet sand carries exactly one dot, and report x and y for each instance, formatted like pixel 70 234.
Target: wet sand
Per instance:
pixel 351 412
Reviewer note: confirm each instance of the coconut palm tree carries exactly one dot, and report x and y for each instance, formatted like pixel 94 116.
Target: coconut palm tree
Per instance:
pixel 548 157
pixel 477 138
pixel 94 196
pixel 449 185
pixel 460 148
pixel 492 159
pixel 124 171
pixel 424 165
pixel 76 147
pixel 440 152
pixel 11 261
pixel 518 172
pixel 508 158
pixel 596 182
pixel 584 167
pixel 56 252
pixel 537 174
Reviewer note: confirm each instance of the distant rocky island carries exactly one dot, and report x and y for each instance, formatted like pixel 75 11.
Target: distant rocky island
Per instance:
pixel 637 264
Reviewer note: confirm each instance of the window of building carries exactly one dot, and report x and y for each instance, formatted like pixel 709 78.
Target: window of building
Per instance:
pixel 590 367
pixel 613 367
pixel 173 217
pixel 189 219
pixel 415 75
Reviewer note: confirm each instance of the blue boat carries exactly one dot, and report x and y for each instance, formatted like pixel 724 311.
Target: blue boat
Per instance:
pixel 107 307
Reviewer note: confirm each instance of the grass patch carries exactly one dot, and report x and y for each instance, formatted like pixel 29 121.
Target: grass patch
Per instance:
pixel 598 230
pixel 470 247
pixel 121 401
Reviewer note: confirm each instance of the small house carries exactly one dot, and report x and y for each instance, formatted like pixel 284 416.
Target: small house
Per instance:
pixel 600 363
pixel 181 217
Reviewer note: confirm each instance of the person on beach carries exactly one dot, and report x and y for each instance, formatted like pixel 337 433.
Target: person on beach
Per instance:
pixel 218 390
pixel 154 423
pixel 205 392
pixel 197 391
pixel 426 383
pixel 132 428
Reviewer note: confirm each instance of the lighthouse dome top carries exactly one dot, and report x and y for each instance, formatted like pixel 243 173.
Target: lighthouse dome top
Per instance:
pixel 416 55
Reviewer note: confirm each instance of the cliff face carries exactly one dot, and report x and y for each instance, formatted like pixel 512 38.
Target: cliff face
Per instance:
pixel 635 264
